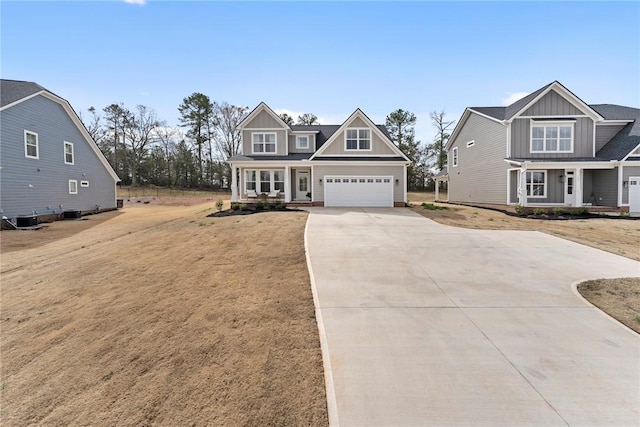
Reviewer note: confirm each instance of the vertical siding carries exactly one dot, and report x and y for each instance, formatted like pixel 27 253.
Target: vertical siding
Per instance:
pixel 605 187
pixel 521 136
pixel 42 185
pixel 513 190
pixel 281 142
pixel 628 171
pixel 604 133
pixel 480 176
pixel 264 120
pixel 378 147
pixel 552 104
pixel 397 171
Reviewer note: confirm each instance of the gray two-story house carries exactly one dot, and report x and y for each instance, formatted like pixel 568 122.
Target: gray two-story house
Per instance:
pixel 547 149
pixel 352 164
pixel 49 163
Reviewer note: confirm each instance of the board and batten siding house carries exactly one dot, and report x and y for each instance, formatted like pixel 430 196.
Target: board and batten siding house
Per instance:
pixel 48 161
pixel 354 164
pixel 547 149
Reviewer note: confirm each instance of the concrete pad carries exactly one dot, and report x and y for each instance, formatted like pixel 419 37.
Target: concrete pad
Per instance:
pixel 426 324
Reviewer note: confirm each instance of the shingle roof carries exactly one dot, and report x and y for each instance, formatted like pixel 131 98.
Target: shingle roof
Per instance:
pixel 495 112
pixel 360 158
pixel 14 90
pixel 512 109
pixel 623 143
pixel 616 112
pixel 443 172
pixel 290 156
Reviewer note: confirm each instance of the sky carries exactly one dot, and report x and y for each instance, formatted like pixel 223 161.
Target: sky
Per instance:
pixel 326 58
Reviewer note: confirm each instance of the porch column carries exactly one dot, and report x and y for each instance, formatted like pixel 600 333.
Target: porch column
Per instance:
pixel 577 186
pixel 437 198
pixel 522 188
pixel 287 184
pixel 234 184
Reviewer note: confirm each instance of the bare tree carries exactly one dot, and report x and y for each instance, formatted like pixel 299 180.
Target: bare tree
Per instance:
pixel 139 133
pixel 287 119
pixel 228 136
pixel 308 119
pixel 437 150
pixel 166 138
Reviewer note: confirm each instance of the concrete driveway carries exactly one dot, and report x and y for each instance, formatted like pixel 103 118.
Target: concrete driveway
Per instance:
pixel 425 324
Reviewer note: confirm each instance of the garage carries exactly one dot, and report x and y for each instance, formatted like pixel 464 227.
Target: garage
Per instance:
pixel 358 191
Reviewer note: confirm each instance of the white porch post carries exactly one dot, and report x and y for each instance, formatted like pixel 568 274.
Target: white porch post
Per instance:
pixel 522 188
pixel 437 190
pixel 577 187
pixel 234 184
pixel 287 184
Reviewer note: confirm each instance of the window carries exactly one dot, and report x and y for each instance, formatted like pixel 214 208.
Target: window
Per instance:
pixel 454 156
pixel 358 139
pixel 278 180
pixel 265 181
pixel 471 143
pixel 250 180
pixel 536 184
pixel 84 183
pixel 68 153
pixel 302 142
pixel 264 142
pixel 552 138
pixel 73 186
pixel 30 144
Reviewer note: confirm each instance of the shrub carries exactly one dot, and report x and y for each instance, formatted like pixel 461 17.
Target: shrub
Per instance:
pixel 519 209
pixel 260 205
pixel 219 204
pixel 558 211
pixel 539 211
pixel 432 207
pixel 243 206
pixel 578 211
pixel 235 206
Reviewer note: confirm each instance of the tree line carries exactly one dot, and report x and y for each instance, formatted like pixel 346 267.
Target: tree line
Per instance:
pixel 144 150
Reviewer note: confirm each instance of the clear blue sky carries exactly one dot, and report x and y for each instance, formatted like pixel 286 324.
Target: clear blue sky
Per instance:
pixel 323 57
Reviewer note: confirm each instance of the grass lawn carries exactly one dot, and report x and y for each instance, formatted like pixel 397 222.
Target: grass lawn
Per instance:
pixel 620 298
pixel 158 315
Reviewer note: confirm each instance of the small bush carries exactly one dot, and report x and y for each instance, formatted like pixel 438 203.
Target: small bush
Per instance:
pixel 219 204
pixel 558 211
pixel 235 206
pixel 280 205
pixel 539 211
pixel 519 209
pixel 243 206
pixel 260 205
pixel 578 211
pixel 432 207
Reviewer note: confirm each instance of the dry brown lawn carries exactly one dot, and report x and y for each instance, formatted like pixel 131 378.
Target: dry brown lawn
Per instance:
pixel 158 315
pixel 620 298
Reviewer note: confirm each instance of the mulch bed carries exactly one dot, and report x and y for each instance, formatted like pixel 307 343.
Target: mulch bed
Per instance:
pixel 250 211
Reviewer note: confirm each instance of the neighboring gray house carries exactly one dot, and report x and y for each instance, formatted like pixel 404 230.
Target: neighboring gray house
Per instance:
pixel 353 164
pixel 48 161
pixel 546 149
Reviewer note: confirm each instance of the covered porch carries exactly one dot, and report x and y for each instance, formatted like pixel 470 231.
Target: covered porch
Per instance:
pixel 273 182
pixel 563 184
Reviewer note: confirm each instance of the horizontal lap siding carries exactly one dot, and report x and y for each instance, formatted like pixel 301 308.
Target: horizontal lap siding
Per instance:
pixel 605 133
pixel 397 171
pixel 281 142
pixel 292 144
pixel 481 175
pixel 605 187
pixel 587 186
pixel 24 188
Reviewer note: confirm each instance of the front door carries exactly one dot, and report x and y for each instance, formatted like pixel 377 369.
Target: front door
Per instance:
pixel 569 188
pixel 634 195
pixel 302 187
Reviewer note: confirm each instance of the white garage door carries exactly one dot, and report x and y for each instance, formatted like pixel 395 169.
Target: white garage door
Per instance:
pixel 358 191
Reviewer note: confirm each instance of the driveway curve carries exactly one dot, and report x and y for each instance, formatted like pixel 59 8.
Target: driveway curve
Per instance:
pixel 426 324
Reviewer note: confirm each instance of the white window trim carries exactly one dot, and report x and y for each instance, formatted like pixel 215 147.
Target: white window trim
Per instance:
pixel 275 134
pixel 84 183
pixel 26 152
pixel 471 143
pixel 258 181
pixel 298 145
pixel 246 180
pixel 358 139
pixel 544 142
pixel 454 157
pixel 74 181
pixel 544 188
pixel 73 153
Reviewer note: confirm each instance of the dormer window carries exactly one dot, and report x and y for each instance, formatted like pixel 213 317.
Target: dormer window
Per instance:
pixel 357 139
pixel 551 137
pixel 302 142
pixel 264 142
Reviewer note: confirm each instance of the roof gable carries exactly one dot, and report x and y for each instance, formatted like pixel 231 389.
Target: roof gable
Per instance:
pixel 360 118
pixel 262 107
pixel 13 92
